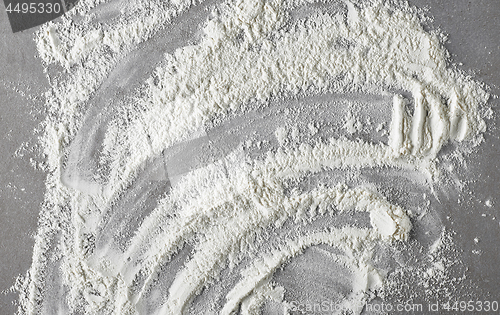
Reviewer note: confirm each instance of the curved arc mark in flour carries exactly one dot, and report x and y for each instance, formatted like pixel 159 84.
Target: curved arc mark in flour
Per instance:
pixel 264 267
pixel 83 161
pixel 181 96
pixel 389 223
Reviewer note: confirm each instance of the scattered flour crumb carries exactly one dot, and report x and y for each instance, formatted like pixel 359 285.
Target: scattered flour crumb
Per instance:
pixel 295 134
pixel 281 134
pixel 352 124
pixel 312 128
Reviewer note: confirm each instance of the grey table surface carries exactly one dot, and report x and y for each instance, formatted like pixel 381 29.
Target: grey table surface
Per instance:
pixel 474 40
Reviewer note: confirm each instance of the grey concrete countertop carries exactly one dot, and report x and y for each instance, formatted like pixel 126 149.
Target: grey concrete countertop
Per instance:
pixel 22 83
pixel 474 40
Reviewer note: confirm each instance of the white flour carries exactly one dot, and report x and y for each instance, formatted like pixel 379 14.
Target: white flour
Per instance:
pixel 166 194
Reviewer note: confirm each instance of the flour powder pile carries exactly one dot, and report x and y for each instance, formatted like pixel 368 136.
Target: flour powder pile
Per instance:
pixel 244 156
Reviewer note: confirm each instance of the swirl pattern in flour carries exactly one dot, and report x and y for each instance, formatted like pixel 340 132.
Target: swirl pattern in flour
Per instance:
pixel 168 193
